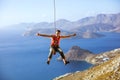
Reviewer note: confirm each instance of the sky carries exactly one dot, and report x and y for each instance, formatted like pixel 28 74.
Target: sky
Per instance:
pixel 35 11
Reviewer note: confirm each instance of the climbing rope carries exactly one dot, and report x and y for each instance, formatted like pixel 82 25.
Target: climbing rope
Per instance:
pixel 54 15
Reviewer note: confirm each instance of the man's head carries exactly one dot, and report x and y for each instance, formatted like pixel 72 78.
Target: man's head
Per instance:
pixel 58 32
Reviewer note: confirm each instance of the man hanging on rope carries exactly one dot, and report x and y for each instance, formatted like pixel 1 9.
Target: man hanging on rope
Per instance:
pixel 55 41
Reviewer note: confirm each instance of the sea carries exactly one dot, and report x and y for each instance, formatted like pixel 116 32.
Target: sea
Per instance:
pixel 24 57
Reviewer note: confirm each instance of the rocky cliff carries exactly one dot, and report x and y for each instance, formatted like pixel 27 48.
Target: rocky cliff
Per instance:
pixel 107 70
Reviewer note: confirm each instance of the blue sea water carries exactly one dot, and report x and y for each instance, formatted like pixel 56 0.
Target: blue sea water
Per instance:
pixel 24 58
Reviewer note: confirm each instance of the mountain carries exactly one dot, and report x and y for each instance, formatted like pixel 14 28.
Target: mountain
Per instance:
pixel 108 70
pixel 99 23
pixel 87 27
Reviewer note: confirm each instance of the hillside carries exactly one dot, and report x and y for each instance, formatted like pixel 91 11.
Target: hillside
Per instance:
pixel 108 70
pixel 102 57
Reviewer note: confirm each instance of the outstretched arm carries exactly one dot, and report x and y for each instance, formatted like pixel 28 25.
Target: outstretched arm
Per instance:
pixel 68 36
pixel 44 35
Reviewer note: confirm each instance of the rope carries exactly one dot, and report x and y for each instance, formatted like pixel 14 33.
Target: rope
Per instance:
pixel 54 16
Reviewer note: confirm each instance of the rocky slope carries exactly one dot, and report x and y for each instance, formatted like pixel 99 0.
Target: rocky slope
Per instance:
pixel 107 70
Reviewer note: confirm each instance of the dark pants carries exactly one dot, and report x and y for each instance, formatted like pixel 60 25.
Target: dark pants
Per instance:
pixel 53 50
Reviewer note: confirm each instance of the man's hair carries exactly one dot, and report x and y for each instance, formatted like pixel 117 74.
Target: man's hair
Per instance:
pixel 58 31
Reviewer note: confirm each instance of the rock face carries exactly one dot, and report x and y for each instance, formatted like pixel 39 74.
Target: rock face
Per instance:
pixel 109 70
pixel 77 54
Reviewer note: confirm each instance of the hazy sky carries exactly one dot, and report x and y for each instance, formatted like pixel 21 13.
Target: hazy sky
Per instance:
pixel 19 11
